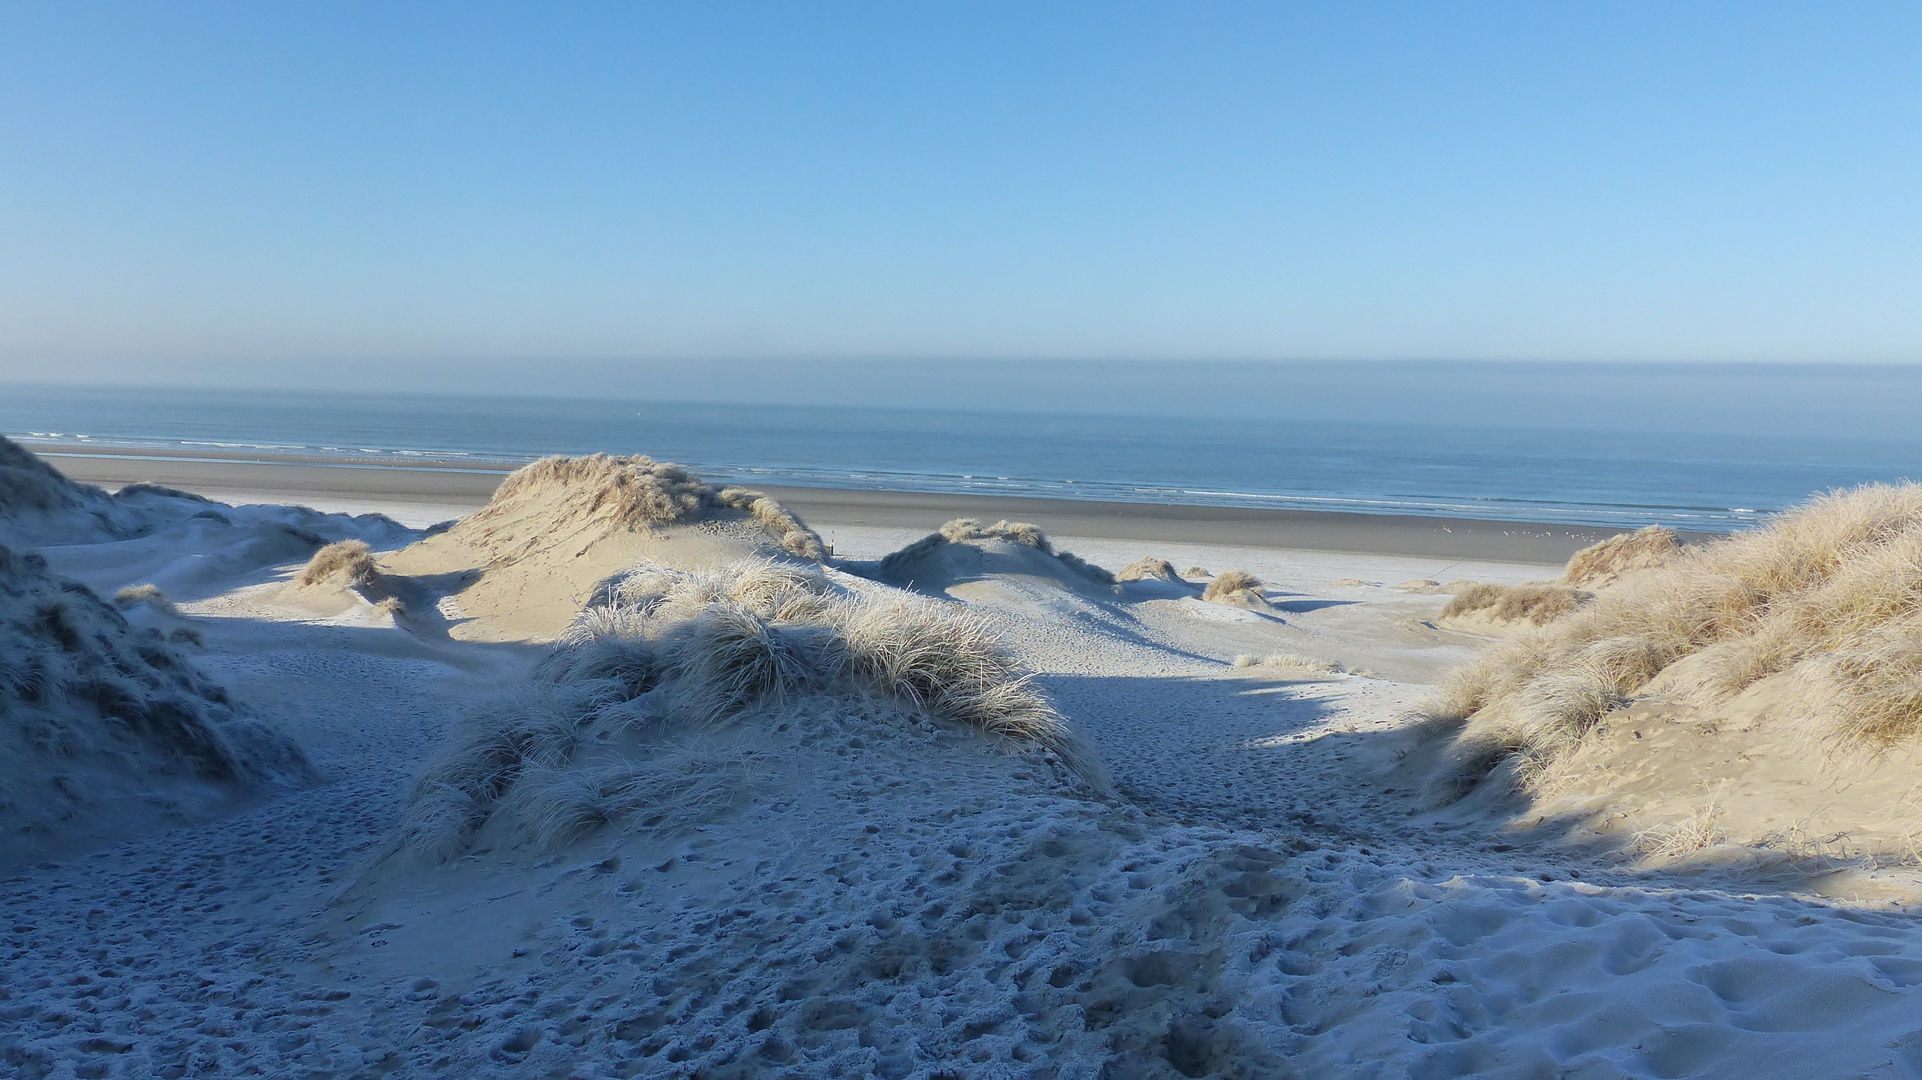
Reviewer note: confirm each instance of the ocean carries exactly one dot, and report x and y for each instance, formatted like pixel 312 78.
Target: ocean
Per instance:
pixel 1533 467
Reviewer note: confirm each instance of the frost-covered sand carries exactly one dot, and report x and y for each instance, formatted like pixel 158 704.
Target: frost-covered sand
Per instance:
pixel 1255 893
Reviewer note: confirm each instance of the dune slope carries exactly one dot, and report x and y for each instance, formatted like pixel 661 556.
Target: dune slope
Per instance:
pixel 522 566
pixel 105 729
pixel 1789 652
pixel 965 559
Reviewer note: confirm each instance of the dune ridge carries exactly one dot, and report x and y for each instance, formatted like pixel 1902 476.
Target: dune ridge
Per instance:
pixel 1833 589
pixel 638 492
pixel 932 558
pixel 39 506
pixel 29 484
pixel 521 567
pixel 666 654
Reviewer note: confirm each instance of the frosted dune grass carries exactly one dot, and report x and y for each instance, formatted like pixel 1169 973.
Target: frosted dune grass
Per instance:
pixel 349 564
pixel 96 712
pixel 28 484
pixel 1835 585
pixel 1019 532
pixel 620 720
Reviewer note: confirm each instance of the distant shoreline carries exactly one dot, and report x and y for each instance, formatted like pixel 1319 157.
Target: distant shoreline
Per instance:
pixel 458 486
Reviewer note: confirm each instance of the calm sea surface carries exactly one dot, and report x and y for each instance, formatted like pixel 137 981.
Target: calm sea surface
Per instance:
pixel 1531 472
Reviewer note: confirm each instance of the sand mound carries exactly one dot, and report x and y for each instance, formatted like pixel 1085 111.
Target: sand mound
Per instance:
pixel 1148 568
pixel 1618 556
pixel 627 720
pixel 343 576
pixel 105 728
pixel 964 551
pixel 347 563
pixel 522 566
pixel 1826 600
pixel 1153 579
pixel 149 595
pixel 639 492
pixel 1237 588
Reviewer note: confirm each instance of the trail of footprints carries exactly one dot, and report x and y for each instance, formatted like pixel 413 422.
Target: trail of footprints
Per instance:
pixel 965 920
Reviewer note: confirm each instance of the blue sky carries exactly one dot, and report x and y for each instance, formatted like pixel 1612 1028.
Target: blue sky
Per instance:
pixel 189 186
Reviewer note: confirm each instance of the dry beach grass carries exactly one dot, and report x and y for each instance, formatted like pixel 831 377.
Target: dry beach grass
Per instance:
pixel 1533 602
pixel 638 492
pixel 1237 587
pixel 1148 568
pixel 1834 587
pixel 676 652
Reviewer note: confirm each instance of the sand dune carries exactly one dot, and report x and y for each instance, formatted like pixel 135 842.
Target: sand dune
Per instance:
pixel 1756 692
pixel 710 808
pixel 521 567
pixel 964 557
pixel 649 707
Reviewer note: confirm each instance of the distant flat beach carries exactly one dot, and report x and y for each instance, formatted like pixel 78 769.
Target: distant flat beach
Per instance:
pixel 457 486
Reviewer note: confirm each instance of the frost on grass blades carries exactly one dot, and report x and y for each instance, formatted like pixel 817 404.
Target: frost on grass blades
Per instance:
pixel 106 728
pixel 612 727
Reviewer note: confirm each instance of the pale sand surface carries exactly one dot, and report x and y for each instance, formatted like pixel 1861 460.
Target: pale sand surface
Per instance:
pixel 1257 895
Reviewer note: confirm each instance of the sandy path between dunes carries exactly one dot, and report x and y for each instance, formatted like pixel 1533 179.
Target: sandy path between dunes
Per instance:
pixel 1255 902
